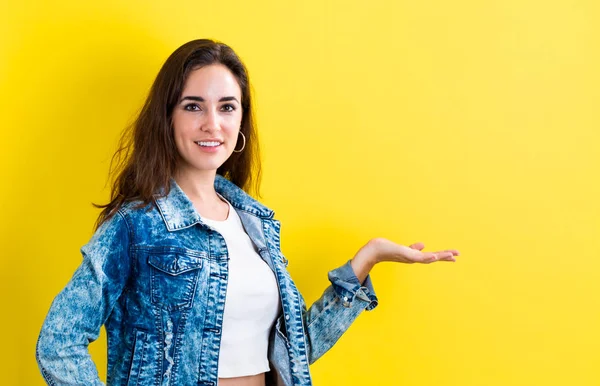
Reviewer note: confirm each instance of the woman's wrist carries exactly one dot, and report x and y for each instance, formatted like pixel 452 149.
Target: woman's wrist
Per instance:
pixel 364 260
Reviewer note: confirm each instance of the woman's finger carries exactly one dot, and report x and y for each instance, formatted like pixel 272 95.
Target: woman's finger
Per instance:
pixel 453 251
pixel 431 257
pixel 418 246
pixel 445 256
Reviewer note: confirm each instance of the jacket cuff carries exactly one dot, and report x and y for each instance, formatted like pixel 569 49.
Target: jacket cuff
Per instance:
pixel 348 288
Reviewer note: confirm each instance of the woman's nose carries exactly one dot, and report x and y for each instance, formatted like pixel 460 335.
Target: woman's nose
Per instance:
pixel 211 123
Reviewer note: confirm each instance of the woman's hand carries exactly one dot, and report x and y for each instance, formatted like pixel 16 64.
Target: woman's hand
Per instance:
pixel 379 250
pixel 386 250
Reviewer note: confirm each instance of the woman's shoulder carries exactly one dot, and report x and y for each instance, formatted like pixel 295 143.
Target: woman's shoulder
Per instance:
pixel 138 212
pixel 134 218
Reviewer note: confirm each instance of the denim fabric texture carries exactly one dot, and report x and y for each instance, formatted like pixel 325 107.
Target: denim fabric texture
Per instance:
pixel 156 278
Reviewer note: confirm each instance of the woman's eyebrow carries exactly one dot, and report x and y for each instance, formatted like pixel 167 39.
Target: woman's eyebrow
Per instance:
pixel 200 99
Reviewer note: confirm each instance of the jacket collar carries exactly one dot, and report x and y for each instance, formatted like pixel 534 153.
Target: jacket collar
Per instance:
pixel 178 212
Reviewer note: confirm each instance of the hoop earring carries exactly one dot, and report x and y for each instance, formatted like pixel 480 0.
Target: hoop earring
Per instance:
pixel 243 146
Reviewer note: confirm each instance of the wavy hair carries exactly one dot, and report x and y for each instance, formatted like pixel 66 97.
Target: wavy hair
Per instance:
pixel 147 156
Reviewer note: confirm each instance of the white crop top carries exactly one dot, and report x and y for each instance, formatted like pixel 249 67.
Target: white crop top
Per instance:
pixel 251 305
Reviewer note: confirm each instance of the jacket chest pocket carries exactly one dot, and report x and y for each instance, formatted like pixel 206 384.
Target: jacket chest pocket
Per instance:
pixel 174 277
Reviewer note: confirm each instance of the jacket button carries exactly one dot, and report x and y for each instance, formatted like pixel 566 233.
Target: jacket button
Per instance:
pixel 287 317
pixel 345 302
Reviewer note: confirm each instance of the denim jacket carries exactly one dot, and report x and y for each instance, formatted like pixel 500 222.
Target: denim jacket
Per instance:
pixel 156 278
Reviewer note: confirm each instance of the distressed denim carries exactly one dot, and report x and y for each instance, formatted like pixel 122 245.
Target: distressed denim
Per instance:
pixel 156 278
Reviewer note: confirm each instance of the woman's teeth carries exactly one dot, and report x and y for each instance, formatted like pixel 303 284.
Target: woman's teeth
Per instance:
pixel 212 144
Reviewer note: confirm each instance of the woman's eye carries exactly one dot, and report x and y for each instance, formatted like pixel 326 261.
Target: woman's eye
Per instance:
pixel 229 108
pixel 191 107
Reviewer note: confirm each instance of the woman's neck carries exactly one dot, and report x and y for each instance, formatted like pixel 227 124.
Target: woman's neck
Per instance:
pixel 199 186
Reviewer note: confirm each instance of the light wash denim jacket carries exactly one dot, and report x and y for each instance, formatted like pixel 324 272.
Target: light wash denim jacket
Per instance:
pixel 157 279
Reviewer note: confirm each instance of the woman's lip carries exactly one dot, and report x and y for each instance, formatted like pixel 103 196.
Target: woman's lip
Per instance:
pixel 209 149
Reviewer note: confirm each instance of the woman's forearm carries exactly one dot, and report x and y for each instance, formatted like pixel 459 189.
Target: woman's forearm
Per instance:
pixel 363 262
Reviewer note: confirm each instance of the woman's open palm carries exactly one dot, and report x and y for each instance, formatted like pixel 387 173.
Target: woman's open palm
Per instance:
pixel 387 250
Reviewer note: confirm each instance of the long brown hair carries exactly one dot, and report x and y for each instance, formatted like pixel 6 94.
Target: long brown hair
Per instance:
pixel 147 157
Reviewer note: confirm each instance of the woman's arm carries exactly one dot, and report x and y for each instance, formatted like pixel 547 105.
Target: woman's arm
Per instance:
pixel 82 307
pixel 363 262
pixel 351 291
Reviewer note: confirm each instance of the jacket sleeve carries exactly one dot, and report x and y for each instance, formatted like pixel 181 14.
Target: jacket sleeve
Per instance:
pixel 81 308
pixel 333 313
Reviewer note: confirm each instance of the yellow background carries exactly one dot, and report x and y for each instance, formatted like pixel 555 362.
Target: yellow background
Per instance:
pixel 471 125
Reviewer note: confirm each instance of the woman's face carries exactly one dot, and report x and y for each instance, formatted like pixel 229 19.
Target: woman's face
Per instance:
pixel 207 119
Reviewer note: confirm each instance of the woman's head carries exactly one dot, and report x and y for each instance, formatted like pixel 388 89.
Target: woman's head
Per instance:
pixel 206 121
pixel 158 143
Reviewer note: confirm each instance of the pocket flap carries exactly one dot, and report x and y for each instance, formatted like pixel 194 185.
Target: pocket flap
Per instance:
pixel 175 264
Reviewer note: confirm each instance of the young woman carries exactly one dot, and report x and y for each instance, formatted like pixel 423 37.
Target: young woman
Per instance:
pixel 185 269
